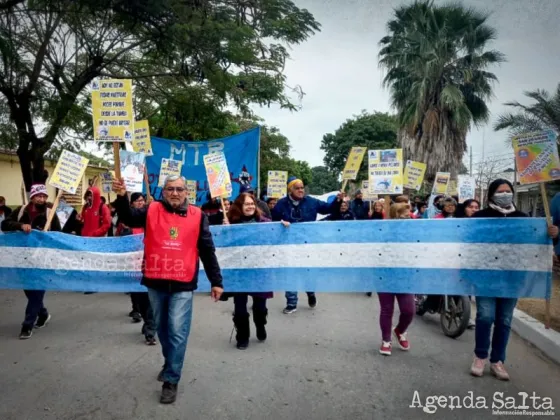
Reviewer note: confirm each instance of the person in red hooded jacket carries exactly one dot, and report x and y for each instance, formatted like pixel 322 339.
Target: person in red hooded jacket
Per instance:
pixel 96 217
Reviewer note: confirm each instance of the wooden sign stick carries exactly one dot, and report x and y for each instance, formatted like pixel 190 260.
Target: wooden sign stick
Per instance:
pixel 344 183
pixel 549 223
pixel 117 156
pixel 53 211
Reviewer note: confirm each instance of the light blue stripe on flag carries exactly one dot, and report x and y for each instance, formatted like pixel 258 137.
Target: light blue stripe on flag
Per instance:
pixel 392 256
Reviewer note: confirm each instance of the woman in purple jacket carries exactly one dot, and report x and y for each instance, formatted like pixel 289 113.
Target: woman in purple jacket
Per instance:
pixel 245 210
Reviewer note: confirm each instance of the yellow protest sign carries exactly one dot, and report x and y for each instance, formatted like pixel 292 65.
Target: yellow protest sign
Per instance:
pixel 142 142
pixel 452 188
pixel 441 183
pixel 536 156
pixel 191 192
pixel 112 106
pixel 277 186
pixel 385 171
pixel 68 172
pixel 414 175
pixel 169 167
pixel 218 175
pixel 353 163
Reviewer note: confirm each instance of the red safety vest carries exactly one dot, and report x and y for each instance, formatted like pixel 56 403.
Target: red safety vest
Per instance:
pixel 171 244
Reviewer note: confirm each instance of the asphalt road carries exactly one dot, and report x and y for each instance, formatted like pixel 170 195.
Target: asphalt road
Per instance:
pixel 91 363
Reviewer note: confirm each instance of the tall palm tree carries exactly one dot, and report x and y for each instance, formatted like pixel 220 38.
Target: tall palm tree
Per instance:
pixel 542 115
pixel 436 62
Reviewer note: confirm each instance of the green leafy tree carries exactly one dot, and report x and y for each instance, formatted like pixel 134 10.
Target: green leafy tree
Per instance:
pixel 324 181
pixel 542 114
pixel 374 131
pixel 437 62
pixel 207 54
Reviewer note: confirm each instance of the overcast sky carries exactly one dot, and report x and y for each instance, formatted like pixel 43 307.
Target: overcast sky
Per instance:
pixel 337 68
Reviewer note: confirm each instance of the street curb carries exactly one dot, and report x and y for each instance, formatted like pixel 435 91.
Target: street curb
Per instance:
pixel 528 328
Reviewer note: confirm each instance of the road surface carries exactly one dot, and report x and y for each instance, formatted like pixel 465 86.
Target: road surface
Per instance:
pixel 90 363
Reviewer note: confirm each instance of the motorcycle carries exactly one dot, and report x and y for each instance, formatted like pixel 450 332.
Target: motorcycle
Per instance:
pixel 455 312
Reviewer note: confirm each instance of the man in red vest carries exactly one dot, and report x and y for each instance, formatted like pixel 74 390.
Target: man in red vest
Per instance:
pixel 176 236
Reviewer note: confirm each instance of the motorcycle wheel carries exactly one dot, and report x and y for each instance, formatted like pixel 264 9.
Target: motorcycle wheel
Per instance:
pixel 455 321
pixel 418 301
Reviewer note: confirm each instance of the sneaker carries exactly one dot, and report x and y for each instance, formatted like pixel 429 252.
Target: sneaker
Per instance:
pixel 150 340
pixel 499 371
pixel 25 333
pixel 42 321
pixel 477 367
pixel 472 324
pixel 402 340
pixel 312 300
pixel 385 348
pixel 289 309
pixel 168 393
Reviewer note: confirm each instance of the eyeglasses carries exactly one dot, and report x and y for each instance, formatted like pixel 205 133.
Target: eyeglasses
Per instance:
pixel 178 189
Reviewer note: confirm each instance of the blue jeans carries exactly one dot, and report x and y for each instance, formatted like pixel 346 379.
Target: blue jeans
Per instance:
pixel 292 297
pixel 172 317
pixel 497 311
pixel 34 308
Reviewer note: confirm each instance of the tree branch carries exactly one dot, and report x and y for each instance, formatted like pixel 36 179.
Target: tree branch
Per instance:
pixel 139 76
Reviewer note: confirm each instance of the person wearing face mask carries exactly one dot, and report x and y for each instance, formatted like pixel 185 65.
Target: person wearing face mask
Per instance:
pixel 25 219
pixel 491 310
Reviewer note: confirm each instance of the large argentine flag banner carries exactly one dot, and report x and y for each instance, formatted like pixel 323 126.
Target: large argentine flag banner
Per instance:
pixel 480 257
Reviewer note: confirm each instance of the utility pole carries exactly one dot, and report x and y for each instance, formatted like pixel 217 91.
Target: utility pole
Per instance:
pixel 481 186
pixel 470 164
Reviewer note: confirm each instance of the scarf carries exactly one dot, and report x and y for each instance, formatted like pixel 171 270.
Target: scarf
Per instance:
pixel 507 210
pixel 295 203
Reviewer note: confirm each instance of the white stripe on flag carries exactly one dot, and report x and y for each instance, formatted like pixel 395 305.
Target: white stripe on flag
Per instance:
pixel 353 255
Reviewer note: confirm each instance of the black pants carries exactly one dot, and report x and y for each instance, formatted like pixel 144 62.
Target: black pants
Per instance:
pixel 240 302
pixel 35 307
pixel 141 303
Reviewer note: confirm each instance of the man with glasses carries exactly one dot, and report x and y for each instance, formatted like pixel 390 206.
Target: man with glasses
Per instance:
pixel 176 236
pixel 297 208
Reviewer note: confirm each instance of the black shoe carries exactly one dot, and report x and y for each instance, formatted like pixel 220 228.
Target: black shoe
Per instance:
pixel 150 340
pixel 25 333
pixel 312 300
pixel 168 393
pixel 260 321
pixel 136 317
pixel 290 309
pixel 89 293
pixel 241 323
pixel 42 321
pixel 368 294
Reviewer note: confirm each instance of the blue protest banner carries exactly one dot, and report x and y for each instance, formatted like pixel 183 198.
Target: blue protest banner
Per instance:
pixel 241 151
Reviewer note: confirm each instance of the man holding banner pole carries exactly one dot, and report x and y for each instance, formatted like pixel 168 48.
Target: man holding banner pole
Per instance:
pixel 296 207
pixel 177 235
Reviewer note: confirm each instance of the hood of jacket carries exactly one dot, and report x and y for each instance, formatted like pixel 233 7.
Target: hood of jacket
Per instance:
pixel 96 197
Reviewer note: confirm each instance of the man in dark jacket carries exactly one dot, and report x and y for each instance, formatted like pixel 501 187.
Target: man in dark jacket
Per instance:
pixel 5 211
pixel 177 236
pixel 359 207
pixel 298 208
pixel 25 219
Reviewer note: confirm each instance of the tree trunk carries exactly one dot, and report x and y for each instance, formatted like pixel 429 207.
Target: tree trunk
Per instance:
pixel 31 161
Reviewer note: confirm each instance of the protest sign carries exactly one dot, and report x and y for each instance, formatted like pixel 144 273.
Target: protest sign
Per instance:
pixel 132 170
pixel 277 184
pixel 106 182
pixel 385 171
pixel 353 163
pixel 366 193
pixel 68 172
pixel 441 183
pixel 466 186
pixel 414 175
pixel 452 188
pixel 191 192
pixel 169 167
pixel 63 212
pixel 218 175
pixel 112 106
pixel 536 156
pixel 142 142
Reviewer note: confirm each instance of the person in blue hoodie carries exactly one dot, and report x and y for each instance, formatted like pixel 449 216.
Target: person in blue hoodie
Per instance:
pixel 296 207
